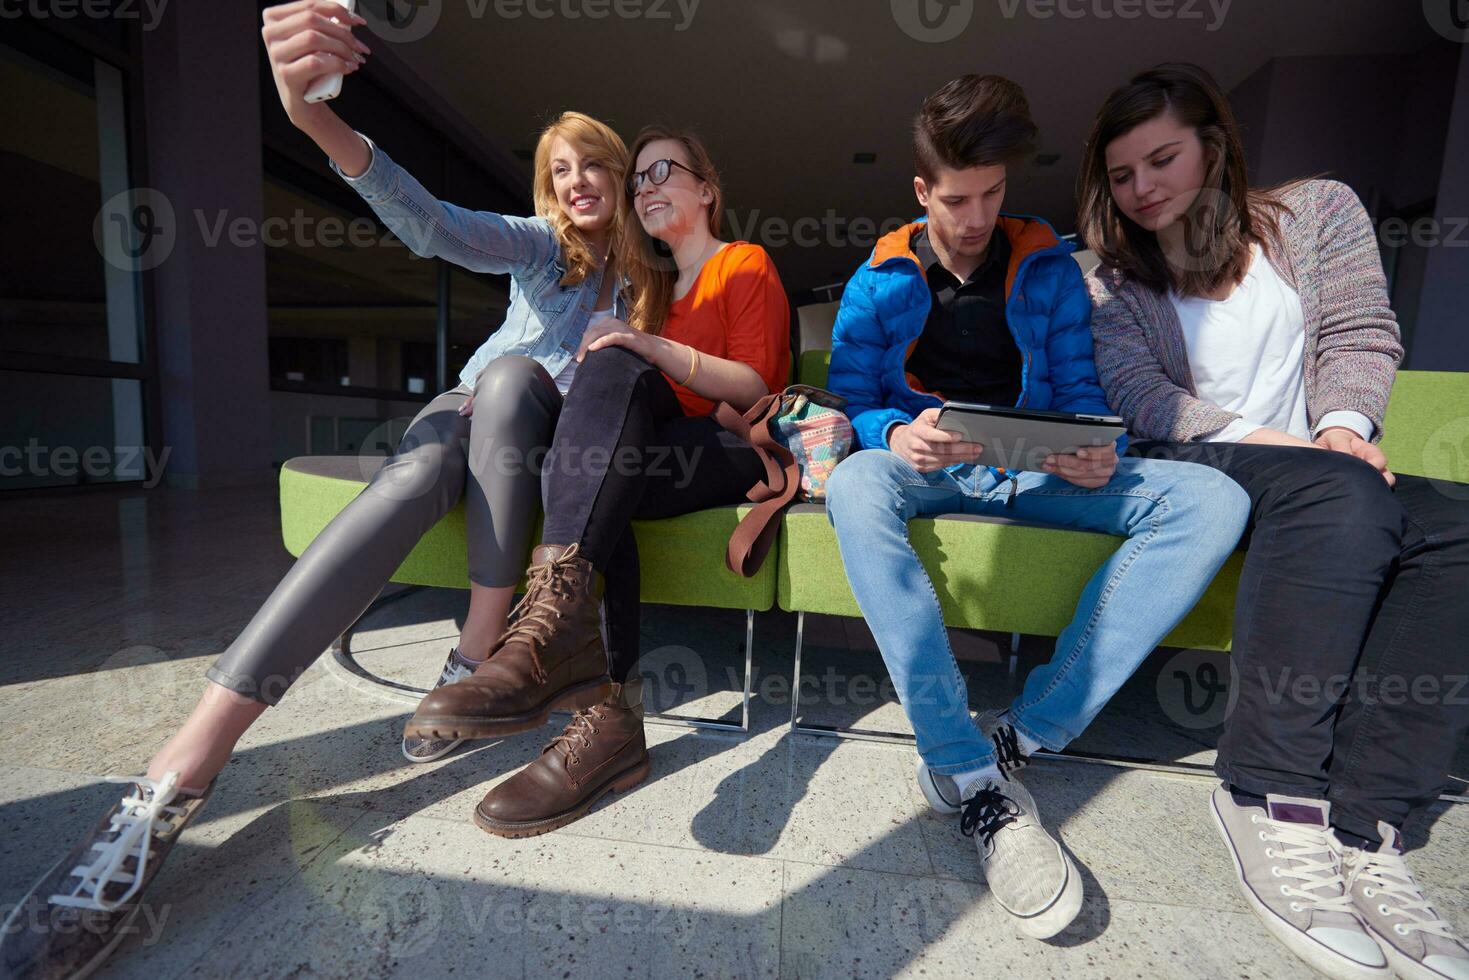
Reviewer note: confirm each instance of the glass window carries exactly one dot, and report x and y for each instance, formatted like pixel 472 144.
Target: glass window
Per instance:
pixel 63 140
pixel 348 302
pixel 60 431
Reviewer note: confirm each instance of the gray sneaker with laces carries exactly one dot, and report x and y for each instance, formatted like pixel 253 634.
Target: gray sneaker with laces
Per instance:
pixel 432 749
pixel 1028 872
pixel 1289 866
pixel 1417 940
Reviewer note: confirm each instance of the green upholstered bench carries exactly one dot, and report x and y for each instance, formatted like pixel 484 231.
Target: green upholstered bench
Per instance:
pixel 1045 569
pixel 682 558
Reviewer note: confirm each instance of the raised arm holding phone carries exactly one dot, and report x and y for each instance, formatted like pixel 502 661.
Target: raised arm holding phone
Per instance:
pixel 517 377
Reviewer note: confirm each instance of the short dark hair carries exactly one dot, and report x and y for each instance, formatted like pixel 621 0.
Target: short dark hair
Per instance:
pixel 973 121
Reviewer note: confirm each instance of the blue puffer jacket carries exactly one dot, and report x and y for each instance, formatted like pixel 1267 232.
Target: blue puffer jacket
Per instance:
pixel 886 304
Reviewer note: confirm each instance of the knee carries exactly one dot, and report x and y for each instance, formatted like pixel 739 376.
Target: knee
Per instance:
pixel 507 382
pixel 1342 496
pixel 1352 493
pixel 613 362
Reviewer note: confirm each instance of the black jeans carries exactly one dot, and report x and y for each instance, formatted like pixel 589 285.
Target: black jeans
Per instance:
pixel 624 450
pixel 1351 631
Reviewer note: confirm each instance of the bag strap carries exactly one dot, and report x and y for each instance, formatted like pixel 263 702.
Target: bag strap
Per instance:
pixel 749 427
pixel 753 538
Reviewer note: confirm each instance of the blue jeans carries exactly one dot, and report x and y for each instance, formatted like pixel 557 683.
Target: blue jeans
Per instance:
pixel 1181 521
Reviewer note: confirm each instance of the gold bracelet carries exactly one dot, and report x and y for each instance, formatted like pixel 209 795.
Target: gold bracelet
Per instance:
pixel 693 366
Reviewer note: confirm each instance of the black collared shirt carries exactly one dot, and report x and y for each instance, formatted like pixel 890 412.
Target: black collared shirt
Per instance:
pixel 966 351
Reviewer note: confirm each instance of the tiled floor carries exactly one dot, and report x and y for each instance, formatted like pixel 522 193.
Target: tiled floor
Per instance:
pixel 323 853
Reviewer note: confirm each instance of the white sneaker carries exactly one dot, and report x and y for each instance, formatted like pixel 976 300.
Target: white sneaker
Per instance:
pixel 433 749
pixel 1289 867
pixel 1418 942
pixel 1028 872
pixel 942 793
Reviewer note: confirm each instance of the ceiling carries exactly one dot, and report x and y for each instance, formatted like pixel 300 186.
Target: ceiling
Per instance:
pixel 785 93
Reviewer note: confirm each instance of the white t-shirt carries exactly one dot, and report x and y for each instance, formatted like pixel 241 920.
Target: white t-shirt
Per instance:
pixel 563 379
pixel 1247 355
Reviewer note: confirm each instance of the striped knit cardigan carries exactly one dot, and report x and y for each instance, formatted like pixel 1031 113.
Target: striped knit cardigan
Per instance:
pixel 1328 254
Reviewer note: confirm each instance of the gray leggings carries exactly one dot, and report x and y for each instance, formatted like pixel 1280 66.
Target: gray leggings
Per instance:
pixel 492 458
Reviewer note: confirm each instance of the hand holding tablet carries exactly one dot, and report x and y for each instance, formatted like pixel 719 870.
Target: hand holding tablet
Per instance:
pixel 1023 439
pixel 927 448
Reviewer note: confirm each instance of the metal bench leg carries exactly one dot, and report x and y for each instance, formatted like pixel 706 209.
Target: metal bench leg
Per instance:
pixel 715 724
pixel 828 731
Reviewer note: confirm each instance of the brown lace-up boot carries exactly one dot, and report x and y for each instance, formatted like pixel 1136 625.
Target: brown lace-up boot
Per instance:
pixel 550 657
pixel 600 751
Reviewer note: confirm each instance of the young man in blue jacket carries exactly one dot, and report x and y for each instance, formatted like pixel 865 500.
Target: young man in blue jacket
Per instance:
pixel 969 304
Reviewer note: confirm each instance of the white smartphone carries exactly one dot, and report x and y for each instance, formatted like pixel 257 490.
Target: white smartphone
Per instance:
pixel 330 86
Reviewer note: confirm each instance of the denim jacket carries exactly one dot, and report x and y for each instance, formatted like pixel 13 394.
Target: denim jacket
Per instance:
pixel 545 320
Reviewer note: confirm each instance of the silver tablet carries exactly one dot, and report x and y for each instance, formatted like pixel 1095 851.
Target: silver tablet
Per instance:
pixel 1021 439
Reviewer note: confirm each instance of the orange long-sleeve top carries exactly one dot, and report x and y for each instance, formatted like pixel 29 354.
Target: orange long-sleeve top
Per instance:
pixel 737 309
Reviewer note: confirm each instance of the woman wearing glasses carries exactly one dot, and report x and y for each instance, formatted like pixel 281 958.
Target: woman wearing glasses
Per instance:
pixel 560 263
pixel 709 322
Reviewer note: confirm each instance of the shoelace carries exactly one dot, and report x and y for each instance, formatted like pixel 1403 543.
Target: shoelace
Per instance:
pixel 531 617
pixel 135 822
pixel 1007 748
pixel 578 732
pixel 1314 860
pixel 986 812
pixel 1388 875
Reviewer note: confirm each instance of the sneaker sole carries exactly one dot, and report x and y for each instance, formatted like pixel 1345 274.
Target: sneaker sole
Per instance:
pixel 585 695
pixel 620 783
pixel 936 800
pixel 1321 958
pixel 431 758
pixel 1401 964
pixel 1061 912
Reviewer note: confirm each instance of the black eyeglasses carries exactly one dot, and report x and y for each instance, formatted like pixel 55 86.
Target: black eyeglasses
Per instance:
pixel 658 173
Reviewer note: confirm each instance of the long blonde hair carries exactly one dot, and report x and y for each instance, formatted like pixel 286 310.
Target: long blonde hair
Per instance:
pixel 651 273
pixel 594 139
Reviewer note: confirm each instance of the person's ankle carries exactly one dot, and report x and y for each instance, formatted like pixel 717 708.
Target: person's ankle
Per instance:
pixel 971 780
pixel 470 658
pixel 194 774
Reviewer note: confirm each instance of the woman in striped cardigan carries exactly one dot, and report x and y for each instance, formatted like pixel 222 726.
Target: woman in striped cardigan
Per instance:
pixel 1249 329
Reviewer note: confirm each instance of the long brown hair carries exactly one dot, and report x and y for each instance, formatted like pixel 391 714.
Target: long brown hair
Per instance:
pixel 1226 218
pixel 595 140
pixel 650 271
